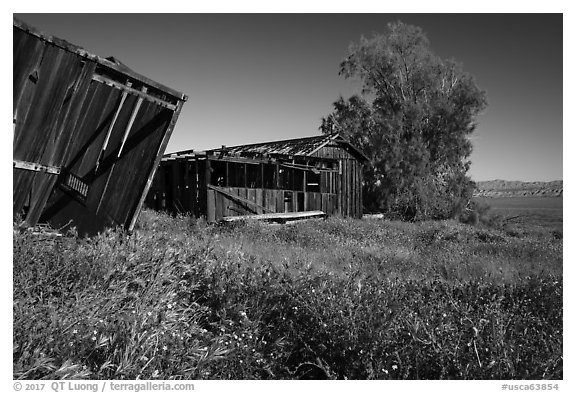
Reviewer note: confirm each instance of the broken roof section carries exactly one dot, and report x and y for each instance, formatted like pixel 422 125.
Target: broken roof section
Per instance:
pixel 299 147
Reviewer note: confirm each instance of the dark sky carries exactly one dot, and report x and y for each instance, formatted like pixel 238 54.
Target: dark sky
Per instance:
pixel 260 77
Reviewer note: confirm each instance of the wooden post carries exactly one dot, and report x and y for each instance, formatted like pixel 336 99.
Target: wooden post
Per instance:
pixel 277 173
pixel 196 189
pixel 304 189
pixel 227 182
pixel 155 164
pixel 210 196
pixel 245 175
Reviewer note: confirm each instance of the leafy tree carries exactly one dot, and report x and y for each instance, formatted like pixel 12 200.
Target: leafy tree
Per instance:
pixel 412 119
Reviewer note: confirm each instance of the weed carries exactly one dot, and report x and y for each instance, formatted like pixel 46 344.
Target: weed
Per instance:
pixel 333 299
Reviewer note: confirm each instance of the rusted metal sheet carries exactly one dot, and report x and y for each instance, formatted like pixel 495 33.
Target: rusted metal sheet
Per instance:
pixel 105 126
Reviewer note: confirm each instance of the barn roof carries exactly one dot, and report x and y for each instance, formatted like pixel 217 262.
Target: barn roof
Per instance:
pixel 292 147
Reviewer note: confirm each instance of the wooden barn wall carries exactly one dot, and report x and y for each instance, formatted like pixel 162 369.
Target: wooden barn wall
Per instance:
pixel 181 187
pixel 62 119
pixel 47 84
pixel 349 183
pixel 266 201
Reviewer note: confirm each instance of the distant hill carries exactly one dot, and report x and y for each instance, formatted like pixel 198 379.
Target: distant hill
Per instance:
pixel 505 188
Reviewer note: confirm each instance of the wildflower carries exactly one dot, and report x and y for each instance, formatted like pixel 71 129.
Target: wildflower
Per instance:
pixel 74 331
pixel 169 306
pixel 164 348
pixel 385 371
pixel 394 367
pixel 93 338
pixel 149 313
pixel 155 374
pixel 95 332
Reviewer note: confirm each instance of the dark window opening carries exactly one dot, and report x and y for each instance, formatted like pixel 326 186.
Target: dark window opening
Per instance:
pixel 218 176
pixel 313 181
pixel 268 181
pixel 285 175
pixel 301 206
pixel 237 173
pixel 298 183
pixel 254 177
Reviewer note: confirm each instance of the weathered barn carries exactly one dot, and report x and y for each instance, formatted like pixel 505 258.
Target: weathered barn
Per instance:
pixel 88 134
pixel 308 174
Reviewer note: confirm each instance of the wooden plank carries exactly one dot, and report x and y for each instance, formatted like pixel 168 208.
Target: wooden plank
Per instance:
pixel 142 145
pixel 260 200
pixel 280 201
pixel 210 205
pixel 33 166
pixel 126 88
pixel 86 137
pixel 130 123
pixel 237 198
pixel 40 139
pixel 360 189
pixel 110 127
pixel 103 176
pixel 27 55
pixel 251 196
pixel 278 216
pixel 67 130
pixel 98 114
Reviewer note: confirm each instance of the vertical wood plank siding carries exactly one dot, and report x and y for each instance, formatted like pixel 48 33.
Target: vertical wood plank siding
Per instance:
pixel 62 114
pixel 339 192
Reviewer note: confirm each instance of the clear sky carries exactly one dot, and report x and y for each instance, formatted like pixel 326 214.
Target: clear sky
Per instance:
pixel 261 77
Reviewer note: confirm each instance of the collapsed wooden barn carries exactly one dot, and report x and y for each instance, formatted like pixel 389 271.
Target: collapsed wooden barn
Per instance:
pixel 88 134
pixel 321 173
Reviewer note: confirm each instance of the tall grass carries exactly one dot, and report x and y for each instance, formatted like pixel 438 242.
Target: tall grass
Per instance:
pixel 179 299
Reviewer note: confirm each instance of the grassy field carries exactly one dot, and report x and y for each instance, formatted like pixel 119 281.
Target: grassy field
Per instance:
pixel 532 211
pixel 354 299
